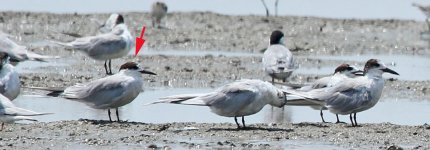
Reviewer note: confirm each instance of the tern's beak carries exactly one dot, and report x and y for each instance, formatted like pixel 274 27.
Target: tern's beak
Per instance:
pixel 102 26
pixel 147 72
pixel 358 73
pixel 390 71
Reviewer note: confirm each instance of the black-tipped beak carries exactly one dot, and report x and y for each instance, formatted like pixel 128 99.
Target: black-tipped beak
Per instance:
pixel 390 71
pixel 358 73
pixel 102 26
pixel 147 72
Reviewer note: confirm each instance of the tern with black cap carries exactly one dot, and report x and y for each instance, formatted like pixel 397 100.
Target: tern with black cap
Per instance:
pixel 352 95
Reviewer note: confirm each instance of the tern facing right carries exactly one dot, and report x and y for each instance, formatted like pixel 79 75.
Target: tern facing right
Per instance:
pixel 342 72
pixel 352 95
pixel 238 99
pixel 110 92
pixel 278 61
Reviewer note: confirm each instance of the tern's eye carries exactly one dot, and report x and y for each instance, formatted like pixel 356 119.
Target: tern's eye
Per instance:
pixel 349 68
pixel 280 95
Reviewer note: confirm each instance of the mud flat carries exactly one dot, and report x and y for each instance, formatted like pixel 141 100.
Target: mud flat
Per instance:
pixel 308 38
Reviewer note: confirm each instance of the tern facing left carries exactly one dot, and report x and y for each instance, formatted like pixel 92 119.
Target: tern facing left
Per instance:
pixel 238 99
pixel 114 44
pixel 278 61
pixel 110 92
pixel 352 95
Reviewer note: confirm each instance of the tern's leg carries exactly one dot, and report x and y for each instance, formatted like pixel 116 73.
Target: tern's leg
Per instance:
pixel 337 117
pixel 2 125
pixel 243 121
pixel 110 119
pixel 235 120
pixel 322 116
pixel 106 67
pixel 355 119
pixel 350 118
pixel 117 114
pixel 273 80
pixel 110 66
pixel 428 23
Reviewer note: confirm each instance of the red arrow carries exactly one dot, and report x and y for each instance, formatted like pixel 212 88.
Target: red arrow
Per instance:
pixel 140 41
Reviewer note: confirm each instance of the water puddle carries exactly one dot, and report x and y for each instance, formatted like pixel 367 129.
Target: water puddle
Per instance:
pixel 33 66
pixel 410 67
pixel 146 52
pixel 387 110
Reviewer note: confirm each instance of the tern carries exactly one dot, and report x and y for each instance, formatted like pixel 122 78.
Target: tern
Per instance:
pixel 9 113
pixel 19 53
pixel 109 92
pixel 10 85
pixel 342 72
pixel 278 61
pixel 158 12
pixel 114 44
pixel 238 99
pixel 352 95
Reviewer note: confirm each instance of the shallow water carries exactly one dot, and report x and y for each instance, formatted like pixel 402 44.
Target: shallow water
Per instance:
pixel 145 52
pixel 410 67
pixel 404 112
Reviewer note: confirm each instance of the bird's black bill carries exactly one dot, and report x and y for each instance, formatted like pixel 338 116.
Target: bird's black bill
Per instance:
pixel 147 72
pixel 390 71
pixel 358 73
pixel 102 26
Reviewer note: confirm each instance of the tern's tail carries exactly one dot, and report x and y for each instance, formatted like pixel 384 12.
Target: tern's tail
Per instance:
pixel 60 43
pixel 301 102
pixel 16 118
pixel 54 92
pixel 16 111
pixel 185 99
pixel 38 57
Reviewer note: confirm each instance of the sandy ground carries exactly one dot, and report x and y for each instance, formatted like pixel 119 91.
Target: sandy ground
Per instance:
pixel 214 32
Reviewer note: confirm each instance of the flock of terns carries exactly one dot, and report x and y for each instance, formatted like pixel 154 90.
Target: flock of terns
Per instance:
pixel 347 92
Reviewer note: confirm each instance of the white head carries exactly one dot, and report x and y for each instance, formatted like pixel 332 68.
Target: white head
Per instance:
pixel 375 67
pixel 348 70
pixel 132 67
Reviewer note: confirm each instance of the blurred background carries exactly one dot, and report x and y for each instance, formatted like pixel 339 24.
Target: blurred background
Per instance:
pixel 361 9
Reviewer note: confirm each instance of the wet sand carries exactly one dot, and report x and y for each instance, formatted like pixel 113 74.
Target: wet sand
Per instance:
pixel 205 31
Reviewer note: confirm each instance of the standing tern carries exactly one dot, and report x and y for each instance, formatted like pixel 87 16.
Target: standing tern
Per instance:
pixel 109 92
pixel 352 95
pixel 114 44
pixel 278 61
pixel 238 99
pixel 9 113
pixel 10 85
pixel 158 12
pixel 342 72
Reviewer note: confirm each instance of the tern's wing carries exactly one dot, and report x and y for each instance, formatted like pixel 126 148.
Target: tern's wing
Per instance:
pixel 98 45
pixel 349 100
pixel 98 93
pixel 232 97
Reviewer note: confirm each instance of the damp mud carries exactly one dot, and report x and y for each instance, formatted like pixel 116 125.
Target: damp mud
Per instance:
pixel 199 51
